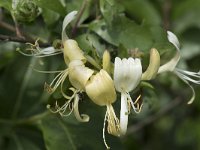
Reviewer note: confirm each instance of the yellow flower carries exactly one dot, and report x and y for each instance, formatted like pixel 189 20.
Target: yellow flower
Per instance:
pixel 100 89
pixel 72 51
pixel 79 74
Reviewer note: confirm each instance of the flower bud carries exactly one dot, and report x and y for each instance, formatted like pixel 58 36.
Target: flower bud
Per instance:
pixel 25 10
pixel 101 89
pixel 72 51
pixel 154 64
pixel 79 74
pixel 106 61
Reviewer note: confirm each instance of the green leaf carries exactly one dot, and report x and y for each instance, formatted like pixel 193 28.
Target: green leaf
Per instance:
pixel 142 11
pixel 124 31
pixel 56 134
pixel 54 5
pixel 50 17
pixel 89 42
pixel 109 9
pixel 22 143
pixel 185 14
pixel 6 4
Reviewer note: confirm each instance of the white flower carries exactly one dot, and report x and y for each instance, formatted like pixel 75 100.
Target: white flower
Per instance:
pixel 127 75
pixel 186 76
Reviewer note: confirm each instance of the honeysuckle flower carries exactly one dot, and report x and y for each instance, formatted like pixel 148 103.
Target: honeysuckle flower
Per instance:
pixel 127 76
pixel 186 76
pixel 78 77
pixel 100 89
pixel 154 64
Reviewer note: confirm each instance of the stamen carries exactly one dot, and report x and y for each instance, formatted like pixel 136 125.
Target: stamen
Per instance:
pixel 104 124
pixel 113 122
pixel 188 75
pixel 193 92
pixel 60 77
pixel 42 71
pixel 40 54
pixel 136 109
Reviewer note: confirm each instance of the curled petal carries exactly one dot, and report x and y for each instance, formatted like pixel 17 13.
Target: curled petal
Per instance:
pixel 79 74
pixel 173 39
pixel 68 18
pixel 170 65
pixel 82 117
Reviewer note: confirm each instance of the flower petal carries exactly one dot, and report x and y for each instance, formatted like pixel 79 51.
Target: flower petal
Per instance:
pixel 68 18
pixel 100 88
pixel 170 65
pixel 127 74
pixel 82 117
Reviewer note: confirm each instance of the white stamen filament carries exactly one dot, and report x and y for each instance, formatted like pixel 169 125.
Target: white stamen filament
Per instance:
pixel 188 75
pixel 104 125
pixel 56 81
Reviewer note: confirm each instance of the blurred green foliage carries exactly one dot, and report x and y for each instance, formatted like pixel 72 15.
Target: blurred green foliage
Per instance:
pixel 166 121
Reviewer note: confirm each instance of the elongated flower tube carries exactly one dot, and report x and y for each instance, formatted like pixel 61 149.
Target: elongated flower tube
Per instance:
pixel 72 51
pixel 186 76
pixel 154 64
pixel 127 75
pixel 100 89
pixel 106 62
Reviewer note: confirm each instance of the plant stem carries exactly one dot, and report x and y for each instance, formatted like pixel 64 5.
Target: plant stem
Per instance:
pixel 80 13
pixel 33 119
pixel 20 40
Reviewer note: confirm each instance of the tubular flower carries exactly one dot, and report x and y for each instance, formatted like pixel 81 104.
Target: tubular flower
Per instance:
pixel 186 76
pixel 100 89
pixel 127 75
pixel 76 68
pixel 154 64
pixel 72 51
pixel 79 74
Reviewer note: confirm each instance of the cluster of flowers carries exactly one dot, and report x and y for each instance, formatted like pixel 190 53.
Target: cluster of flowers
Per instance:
pixel 101 87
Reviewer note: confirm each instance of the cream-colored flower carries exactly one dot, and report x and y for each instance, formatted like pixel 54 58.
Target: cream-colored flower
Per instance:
pixel 72 51
pixel 127 76
pixel 186 76
pixel 100 89
pixel 154 64
pixel 79 74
